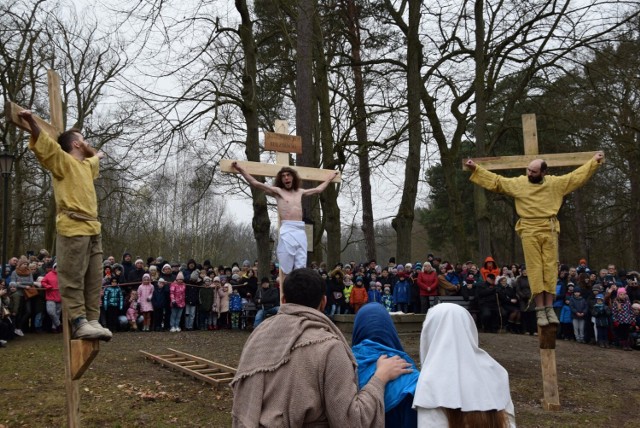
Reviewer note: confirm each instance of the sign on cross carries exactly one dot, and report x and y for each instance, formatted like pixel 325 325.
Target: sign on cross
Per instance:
pixel 546 334
pixel 78 354
pixel 283 144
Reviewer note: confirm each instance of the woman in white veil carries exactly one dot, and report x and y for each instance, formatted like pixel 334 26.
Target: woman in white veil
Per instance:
pixel 459 384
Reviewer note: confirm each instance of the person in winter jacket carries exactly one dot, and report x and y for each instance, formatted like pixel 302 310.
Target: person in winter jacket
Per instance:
pixel 428 284
pixel 52 297
pixel 358 295
pixel 489 266
pixel 177 295
pixel 579 310
pixel 601 314
pixel 145 295
pixel 113 303
pixel 402 293
pixel 161 300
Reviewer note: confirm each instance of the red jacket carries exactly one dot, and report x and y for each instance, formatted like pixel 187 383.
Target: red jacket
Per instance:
pixel 50 283
pixel 428 283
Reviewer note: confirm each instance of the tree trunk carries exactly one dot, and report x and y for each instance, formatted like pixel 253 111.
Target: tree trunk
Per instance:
pixel 360 115
pixel 479 195
pixel 261 223
pixel 304 89
pixel 450 167
pixel 328 198
pixel 403 223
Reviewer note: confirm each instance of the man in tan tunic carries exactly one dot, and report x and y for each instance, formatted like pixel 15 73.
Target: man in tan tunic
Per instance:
pixel 296 368
pixel 538 199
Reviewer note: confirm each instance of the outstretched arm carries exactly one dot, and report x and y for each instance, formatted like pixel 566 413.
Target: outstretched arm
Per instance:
pixel 322 186
pixel 28 117
pixel 270 190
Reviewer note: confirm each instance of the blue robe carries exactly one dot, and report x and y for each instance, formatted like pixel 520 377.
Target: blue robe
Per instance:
pixel 374 335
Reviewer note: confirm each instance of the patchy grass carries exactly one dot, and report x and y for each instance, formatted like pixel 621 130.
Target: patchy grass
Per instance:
pixel 598 387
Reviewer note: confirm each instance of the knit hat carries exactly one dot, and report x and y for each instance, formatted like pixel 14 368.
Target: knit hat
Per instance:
pixel 582 262
pixel 577 290
pixel 139 261
pixel 207 279
pixel 408 266
pixel 147 276
pixel 636 306
pixel 622 290
pixel 597 287
pixel 166 265
pixel 216 279
pixel 180 275
pixel 359 279
pixel 600 296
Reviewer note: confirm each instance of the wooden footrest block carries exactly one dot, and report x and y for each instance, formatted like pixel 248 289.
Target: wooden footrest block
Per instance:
pixel 82 354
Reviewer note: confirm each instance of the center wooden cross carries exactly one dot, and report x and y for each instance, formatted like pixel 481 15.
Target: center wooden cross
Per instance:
pixel 282 143
pixel 78 354
pixel 546 335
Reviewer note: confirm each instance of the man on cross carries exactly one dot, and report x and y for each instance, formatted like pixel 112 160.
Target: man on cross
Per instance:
pixel 292 245
pixel 74 164
pixel 538 198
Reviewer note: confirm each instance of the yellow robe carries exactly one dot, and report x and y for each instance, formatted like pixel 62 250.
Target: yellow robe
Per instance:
pixel 537 206
pixel 73 186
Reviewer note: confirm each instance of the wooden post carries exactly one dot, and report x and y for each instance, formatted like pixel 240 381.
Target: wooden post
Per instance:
pixel 546 335
pixel 78 354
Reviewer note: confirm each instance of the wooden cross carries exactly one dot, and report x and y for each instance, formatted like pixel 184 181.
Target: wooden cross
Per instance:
pixel 283 144
pixel 546 335
pixel 78 354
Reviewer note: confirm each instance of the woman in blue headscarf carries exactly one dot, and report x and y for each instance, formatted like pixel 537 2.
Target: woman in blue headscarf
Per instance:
pixel 374 335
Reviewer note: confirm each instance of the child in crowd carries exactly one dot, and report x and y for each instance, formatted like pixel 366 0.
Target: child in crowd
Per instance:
pixel 52 297
pixel 113 303
pixel 623 318
pixel 223 306
pixel 249 310
pixel 235 307
pixel 132 310
pixel 566 320
pixel 375 292
pixel 346 292
pixel 579 308
pixel 145 294
pixel 634 336
pixel 205 305
pixel 387 299
pixel 601 314
pixel 358 295
pixel 177 293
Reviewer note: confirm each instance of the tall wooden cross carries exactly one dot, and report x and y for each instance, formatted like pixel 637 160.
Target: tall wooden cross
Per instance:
pixel 546 335
pixel 282 143
pixel 78 354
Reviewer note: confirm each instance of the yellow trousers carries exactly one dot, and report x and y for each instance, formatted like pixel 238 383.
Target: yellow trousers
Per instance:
pixel 540 247
pixel 79 261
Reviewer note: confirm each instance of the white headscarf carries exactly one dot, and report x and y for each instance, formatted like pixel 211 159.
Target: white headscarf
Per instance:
pixel 456 373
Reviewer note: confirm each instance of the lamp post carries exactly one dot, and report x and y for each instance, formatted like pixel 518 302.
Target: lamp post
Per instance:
pixel 6 167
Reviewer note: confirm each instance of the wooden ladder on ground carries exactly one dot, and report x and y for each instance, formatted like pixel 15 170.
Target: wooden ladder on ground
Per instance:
pixel 208 371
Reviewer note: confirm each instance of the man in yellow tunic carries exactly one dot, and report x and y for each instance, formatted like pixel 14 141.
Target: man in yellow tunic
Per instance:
pixel 74 164
pixel 538 199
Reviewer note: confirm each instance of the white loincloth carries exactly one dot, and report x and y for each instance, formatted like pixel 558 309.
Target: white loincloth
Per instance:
pixel 292 246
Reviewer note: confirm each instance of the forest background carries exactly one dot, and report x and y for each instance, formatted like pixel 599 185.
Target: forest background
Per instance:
pixel 393 93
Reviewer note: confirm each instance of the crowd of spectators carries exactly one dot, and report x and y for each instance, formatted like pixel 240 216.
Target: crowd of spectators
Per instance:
pixel 594 306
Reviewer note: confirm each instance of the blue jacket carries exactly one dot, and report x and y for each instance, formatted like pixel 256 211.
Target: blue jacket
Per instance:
pixel 402 292
pixel 566 316
pixel 235 302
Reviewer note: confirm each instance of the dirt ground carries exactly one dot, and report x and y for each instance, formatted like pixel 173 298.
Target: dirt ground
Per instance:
pixel 598 387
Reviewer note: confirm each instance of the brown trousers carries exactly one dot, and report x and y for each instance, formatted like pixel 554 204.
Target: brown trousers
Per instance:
pixel 79 261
